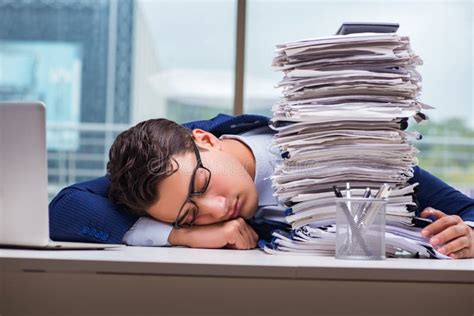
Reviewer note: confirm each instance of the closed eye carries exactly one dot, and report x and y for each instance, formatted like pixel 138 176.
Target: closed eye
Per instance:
pixel 201 181
pixel 182 219
pixel 189 215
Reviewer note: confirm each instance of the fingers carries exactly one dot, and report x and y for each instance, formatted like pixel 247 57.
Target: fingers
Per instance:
pixel 463 253
pixel 249 232
pixel 250 235
pixel 429 211
pixel 441 224
pixel 450 234
pixel 455 241
pixel 455 246
pixel 246 237
pixel 241 235
pixel 253 235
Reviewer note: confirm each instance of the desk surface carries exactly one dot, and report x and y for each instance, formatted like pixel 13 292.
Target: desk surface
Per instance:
pixel 233 263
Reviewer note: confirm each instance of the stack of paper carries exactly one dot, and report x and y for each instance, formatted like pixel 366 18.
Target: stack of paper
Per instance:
pixel 400 240
pixel 346 104
pixel 319 209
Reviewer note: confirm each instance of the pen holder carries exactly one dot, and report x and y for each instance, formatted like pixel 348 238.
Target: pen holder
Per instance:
pixel 360 228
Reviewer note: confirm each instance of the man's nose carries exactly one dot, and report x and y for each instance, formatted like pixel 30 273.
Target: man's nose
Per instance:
pixel 212 206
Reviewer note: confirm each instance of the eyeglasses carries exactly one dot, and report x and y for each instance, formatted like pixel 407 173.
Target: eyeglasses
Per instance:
pixel 197 186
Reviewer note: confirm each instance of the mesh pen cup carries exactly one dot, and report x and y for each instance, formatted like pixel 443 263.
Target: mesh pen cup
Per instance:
pixel 360 228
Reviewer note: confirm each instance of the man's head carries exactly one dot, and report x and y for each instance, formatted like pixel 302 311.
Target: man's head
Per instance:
pixel 140 158
pixel 151 166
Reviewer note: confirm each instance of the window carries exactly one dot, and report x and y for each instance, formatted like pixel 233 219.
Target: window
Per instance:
pixel 184 59
pixel 444 39
pixel 66 53
pixel 103 65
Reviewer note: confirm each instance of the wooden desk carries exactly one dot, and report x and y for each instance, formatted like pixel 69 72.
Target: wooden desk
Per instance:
pixel 179 281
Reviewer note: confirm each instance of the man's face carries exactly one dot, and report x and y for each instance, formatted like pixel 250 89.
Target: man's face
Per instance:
pixel 231 191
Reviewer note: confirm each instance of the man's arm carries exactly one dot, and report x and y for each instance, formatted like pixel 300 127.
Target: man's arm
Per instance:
pixel 235 234
pixel 83 213
pixel 452 211
pixel 435 193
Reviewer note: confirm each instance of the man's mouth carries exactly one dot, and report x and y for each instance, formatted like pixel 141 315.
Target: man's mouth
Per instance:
pixel 236 209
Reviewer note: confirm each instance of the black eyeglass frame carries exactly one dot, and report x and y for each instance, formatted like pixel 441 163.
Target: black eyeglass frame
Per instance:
pixel 192 193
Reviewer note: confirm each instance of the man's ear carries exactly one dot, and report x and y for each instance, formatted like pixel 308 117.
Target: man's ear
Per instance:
pixel 205 139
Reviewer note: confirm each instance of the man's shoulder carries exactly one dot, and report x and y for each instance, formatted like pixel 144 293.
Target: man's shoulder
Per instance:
pixel 228 124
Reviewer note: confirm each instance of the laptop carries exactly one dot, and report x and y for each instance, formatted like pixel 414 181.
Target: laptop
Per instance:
pixel 24 217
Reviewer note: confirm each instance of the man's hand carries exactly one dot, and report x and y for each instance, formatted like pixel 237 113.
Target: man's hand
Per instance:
pixel 449 234
pixel 234 234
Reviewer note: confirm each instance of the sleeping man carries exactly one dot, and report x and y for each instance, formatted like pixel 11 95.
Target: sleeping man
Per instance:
pixel 206 185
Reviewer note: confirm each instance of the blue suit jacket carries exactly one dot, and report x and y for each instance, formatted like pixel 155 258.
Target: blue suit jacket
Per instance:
pixel 82 211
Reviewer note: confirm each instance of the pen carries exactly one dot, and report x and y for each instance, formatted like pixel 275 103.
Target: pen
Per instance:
pixel 348 196
pixel 422 222
pixel 348 190
pixel 350 220
pixel 366 193
pixel 362 206
pixel 337 192
pixel 368 215
pixel 383 191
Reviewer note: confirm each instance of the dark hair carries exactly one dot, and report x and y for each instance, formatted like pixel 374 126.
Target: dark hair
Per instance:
pixel 140 158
